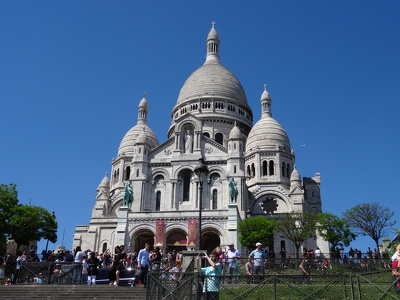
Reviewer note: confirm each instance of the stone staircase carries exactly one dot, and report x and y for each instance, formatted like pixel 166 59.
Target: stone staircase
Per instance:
pixel 76 292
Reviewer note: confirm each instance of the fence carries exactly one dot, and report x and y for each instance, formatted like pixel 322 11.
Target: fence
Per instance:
pixel 288 283
pixel 49 272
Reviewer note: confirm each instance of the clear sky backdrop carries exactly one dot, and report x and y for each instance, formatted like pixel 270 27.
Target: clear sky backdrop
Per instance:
pixel 72 74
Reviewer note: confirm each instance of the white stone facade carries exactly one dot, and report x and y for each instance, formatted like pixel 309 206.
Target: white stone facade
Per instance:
pixel 212 109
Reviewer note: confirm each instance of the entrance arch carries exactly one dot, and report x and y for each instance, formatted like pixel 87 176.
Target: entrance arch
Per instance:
pixel 142 237
pixel 210 239
pixel 176 240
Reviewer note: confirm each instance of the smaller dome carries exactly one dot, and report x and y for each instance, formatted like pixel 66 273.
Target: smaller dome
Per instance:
pixel 213 34
pixel 235 133
pixel 265 95
pixel 295 176
pixel 267 133
pixel 105 183
pixel 130 139
pixel 143 103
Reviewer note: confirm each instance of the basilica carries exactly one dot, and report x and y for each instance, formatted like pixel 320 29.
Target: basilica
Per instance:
pixel 215 169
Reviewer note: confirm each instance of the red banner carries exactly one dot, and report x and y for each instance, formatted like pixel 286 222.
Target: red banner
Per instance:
pixel 160 226
pixel 192 232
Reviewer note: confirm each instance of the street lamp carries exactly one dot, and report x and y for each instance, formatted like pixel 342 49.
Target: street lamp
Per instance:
pixel 201 171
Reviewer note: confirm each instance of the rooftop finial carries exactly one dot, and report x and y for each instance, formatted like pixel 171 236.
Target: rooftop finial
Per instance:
pixel 144 95
pixel 212 23
pixel 265 87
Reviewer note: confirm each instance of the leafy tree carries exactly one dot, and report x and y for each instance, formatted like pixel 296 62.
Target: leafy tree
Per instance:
pixel 24 223
pixel 297 227
pixel 254 230
pixel 335 230
pixel 32 223
pixel 370 219
pixel 8 200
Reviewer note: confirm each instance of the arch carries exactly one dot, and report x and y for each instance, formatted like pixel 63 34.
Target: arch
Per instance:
pixel 271 168
pixel 158 200
pixel 248 171
pixel 176 239
pixel 283 245
pixel 265 168
pixel 219 138
pixel 253 170
pixel 104 248
pixel 215 199
pixel 127 173
pixel 288 170
pixel 210 239
pixel 206 134
pixel 142 236
pixel 186 177
pixel 283 169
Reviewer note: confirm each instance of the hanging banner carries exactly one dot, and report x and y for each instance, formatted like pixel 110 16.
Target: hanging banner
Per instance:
pixel 192 232
pixel 160 226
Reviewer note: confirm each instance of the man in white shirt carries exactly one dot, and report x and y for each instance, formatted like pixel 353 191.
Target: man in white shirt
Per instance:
pixel 232 255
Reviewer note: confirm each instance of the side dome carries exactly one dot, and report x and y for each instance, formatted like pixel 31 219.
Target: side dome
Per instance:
pixel 267 133
pixel 129 140
pixel 212 80
pixel 235 133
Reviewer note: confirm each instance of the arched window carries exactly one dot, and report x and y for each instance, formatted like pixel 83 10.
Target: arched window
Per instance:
pixel 219 138
pixel 215 199
pixel 253 170
pixel 158 201
pixel 206 134
pixel 115 177
pixel 283 169
pixel 271 168
pixel 248 171
pixel 289 172
pixel 234 146
pixel 104 247
pixel 186 178
pixel 265 168
pixel 137 172
pixel 234 169
pixel 127 173
pixel 283 245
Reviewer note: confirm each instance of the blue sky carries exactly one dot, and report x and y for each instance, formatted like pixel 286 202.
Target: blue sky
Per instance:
pixel 73 73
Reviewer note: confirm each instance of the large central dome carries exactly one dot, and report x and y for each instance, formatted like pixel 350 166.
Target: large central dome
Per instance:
pixel 212 80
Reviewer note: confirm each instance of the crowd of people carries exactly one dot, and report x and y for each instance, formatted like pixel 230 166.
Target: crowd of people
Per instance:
pixel 155 259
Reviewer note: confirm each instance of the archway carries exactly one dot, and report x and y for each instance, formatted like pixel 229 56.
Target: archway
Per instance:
pixel 209 240
pixel 142 237
pixel 176 240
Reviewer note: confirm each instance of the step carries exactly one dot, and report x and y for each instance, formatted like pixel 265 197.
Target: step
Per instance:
pixel 77 292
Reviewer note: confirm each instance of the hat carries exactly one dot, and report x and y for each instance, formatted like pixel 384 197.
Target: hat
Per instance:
pixel 231 244
pixel 258 244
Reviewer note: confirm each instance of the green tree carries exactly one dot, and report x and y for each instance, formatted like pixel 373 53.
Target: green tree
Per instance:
pixel 8 200
pixel 24 223
pixel 370 219
pixel 297 227
pixel 335 230
pixel 254 230
pixel 32 223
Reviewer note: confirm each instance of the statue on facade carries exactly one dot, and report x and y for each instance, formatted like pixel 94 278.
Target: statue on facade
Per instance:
pixel 128 195
pixel 188 142
pixel 233 190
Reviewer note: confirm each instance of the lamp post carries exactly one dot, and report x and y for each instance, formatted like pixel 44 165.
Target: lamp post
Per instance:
pixel 201 171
